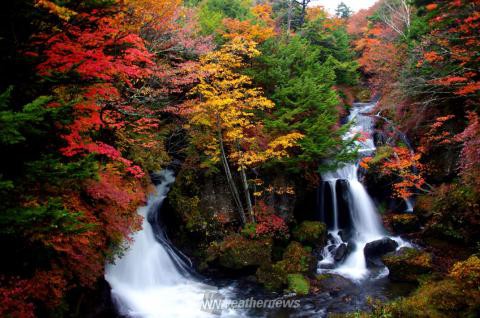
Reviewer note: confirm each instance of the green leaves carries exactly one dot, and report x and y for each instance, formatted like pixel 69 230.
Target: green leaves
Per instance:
pixel 41 218
pixel 302 87
pixel 15 125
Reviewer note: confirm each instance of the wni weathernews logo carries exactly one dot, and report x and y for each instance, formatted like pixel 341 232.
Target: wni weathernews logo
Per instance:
pixel 215 303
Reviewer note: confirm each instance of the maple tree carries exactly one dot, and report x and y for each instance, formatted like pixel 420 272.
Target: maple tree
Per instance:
pixel 258 29
pixel 403 164
pixel 225 115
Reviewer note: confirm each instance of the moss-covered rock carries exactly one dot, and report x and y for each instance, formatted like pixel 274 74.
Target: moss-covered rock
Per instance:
pixel 407 264
pixel 405 223
pixel 457 295
pixel 298 284
pixel 311 232
pixel 467 273
pixel 435 299
pixel 237 252
pixel 297 259
pixel 272 276
pixel 332 282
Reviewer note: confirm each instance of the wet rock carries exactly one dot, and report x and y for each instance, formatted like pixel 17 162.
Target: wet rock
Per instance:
pixel 344 235
pixel 341 253
pixel 237 252
pixel 405 223
pixel 272 276
pixel 327 266
pixel 407 264
pixel 374 250
pixel 311 232
pixel 297 259
pixel 333 282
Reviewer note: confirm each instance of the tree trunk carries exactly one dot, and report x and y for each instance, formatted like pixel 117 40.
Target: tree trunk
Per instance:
pixel 289 16
pixel 230 181
pixel 245 187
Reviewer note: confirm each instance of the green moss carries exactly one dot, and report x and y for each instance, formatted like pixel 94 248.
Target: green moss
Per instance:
pixel 364 95
pixel 321 277
pixel 440 299
pixel 298 284
pixel 272 276
pixel 249 230
pixel 456 296
pixel 311 232
pixel 405 223
pixel 408 264
pixel 296 258
pixel 237 252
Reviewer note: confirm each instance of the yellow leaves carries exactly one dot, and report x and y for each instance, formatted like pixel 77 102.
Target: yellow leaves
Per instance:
pixel 278 148
pixel 258 29
pixel 227 108
pixel 62 12
pixel 157 14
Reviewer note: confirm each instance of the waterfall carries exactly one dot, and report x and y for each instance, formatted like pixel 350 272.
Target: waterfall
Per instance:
pixel 150 279
pixel 366 224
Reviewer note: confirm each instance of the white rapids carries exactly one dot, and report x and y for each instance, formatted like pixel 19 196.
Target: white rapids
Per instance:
pixel 366 224
pixel 150 280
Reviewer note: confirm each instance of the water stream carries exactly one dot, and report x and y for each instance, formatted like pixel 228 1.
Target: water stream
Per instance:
pixel 365 221
pixel 152 279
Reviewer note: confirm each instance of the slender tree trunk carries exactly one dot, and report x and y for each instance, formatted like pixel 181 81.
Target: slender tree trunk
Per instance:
pixel 245 187
pixel 228 174
pixel 289 16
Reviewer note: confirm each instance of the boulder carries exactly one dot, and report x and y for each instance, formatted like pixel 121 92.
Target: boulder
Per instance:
pixel 341 253
pixel 236 252
pixel 407 264
pixel 311 233
pixel 376 249
pixel 333 282
pixel 344 235
pixel 405 223
pixel 272 276
pixel 297 259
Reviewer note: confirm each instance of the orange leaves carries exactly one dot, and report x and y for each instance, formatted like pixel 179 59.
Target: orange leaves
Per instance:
pixel 470 154
pixel 258 30
pixel 156 14
pixel 245 29
pixel 432 57
pixel 364 163
pixel 470 88
pixel 453 33
pixel 402 164
pixel 448 80
pixel 431 6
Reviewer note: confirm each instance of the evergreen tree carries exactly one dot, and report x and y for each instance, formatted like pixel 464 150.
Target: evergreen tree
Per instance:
pixel 333 44
pixel 301 85
pixel 343 11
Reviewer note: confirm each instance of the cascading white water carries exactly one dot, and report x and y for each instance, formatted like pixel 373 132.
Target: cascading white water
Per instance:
pixel 366 225
pixel 150 280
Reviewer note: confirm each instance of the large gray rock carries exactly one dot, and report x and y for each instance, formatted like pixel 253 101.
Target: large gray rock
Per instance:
pixel 373 251
pixel 341 253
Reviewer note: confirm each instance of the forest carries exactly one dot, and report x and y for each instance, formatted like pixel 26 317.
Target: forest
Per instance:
pixel 154 150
